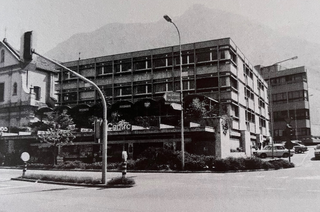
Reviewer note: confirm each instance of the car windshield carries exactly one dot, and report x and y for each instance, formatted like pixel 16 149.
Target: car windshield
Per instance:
pixel 267 148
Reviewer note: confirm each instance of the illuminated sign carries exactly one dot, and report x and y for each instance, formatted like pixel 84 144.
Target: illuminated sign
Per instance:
pixel 3 129
pixel 120 126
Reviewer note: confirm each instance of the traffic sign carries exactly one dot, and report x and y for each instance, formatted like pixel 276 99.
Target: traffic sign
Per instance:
pixel 25 156
pixel 172 97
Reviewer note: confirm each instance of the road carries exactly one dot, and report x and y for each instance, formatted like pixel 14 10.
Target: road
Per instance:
pixel 296 189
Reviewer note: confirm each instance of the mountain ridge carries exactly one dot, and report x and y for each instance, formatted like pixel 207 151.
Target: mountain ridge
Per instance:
pixel 260 44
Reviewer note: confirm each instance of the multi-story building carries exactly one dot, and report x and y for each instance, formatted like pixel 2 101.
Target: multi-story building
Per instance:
pixel 290 103
pixel 135 83
pixel 24 88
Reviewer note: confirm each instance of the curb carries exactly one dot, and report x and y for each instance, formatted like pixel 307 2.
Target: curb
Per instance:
pixel 73 184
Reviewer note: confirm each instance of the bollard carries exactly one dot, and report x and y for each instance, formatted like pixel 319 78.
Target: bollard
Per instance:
pixel 24 169
pixel 124 164
pixel 124 169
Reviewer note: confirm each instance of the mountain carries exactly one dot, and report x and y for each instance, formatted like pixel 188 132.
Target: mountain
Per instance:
pixel 260 44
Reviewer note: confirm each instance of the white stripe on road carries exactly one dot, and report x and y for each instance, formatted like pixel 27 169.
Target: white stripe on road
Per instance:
pixel 284 177
pixel 314 191
pixel 13 187
pixel 246 187
pixel 280 189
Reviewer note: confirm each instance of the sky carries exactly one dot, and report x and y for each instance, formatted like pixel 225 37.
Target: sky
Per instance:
pixel 54 21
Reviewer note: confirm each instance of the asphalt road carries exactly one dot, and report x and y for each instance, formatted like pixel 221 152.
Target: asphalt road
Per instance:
pixel 296 189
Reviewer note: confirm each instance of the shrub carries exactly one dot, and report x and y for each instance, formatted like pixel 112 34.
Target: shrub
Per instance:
pixel 197 162
pixel 278 164
pixel 64 178
pixel 253 163
pixel 121 181
pixel 250 163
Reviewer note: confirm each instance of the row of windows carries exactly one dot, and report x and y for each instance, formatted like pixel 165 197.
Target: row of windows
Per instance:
pixel 291 96
pixel 292 114
pixel 165 60
pixel 298 131
pixel 36 91
pixel 164 85
pixel 289 79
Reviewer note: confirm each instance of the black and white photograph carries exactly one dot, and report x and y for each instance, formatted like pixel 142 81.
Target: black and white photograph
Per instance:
pixel 159 105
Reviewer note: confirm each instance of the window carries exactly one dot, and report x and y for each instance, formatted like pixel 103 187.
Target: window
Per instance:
pixel 203 55
pixel 108 91
pixel 37 91
pixel 1 92
pixel 297 96
pixel 279 98
pixel 234 83
pixel 104 68
pixel 142 89
pixel 2 56
pixel 15 88
pixel 209 82
pixel 234 111
pixel 142 63
pixel 162 60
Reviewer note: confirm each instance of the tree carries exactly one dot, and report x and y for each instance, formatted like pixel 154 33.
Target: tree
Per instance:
pixel 60 128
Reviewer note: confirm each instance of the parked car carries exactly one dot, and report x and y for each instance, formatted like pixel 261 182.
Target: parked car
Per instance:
pixel 278 151
pixel 317 151
pixel 299 148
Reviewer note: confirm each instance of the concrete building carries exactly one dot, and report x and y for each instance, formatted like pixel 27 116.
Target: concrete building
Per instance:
pixel 136 82
pixel 290 103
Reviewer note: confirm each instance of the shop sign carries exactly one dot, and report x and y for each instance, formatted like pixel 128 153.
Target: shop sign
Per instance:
pixel 120 126
pixel 172 97
pixel 3 129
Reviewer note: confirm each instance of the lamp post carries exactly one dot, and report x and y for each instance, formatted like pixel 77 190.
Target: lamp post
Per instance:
pixel 167 18
pixel 104 124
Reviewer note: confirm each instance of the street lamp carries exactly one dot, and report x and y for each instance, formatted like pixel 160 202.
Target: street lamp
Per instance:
pixel 167 18
pixel 104 124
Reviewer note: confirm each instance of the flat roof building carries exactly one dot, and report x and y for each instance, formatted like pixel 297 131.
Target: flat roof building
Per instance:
pixel 290 103
pixel 136 82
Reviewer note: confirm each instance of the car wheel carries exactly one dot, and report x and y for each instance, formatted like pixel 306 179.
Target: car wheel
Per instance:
pixel 285 155
pixel 299 151
pixel 263 155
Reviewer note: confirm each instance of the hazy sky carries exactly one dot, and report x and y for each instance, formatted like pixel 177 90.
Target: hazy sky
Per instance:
pixel 54 21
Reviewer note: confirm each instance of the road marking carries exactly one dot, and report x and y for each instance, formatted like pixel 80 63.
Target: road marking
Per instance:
pixel 304 158
pixel 246 187
pixel 308 178
pixel 284 177
pixel 280 189
pixel 13 187
pixel 318 191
